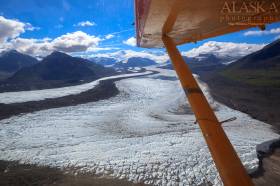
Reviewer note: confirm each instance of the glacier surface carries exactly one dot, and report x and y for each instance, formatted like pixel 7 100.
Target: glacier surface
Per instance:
pixel 38 95
pixel 145 134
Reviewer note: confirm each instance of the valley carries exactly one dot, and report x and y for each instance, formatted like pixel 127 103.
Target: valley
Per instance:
pixel 139 135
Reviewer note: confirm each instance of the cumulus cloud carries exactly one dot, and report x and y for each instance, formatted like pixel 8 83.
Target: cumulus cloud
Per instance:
pixel 34 47
pixel 131 41
pixel 75 42
pixel 224 50
pixel 264 32
pixel 85 23
pixel 29 27
pixel 70 42
pixel 109 36
pixel 10 29
pixel 98 49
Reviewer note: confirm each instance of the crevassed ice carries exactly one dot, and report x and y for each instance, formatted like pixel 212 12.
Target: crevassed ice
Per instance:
pixel 38 95
pixel 137 135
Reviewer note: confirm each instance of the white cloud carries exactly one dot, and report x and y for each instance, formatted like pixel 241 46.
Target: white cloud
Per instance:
pixel 75 42
pixel 29 27
pixel 224 50
pixel 32 46
pixel 85 23
pixel 10 29
pixel 131 41
pixel 109 36
pixel 260 33
pixel 98 49
pixel 70 42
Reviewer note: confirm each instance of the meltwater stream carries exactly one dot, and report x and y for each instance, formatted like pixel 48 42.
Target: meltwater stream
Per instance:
pixel 144 134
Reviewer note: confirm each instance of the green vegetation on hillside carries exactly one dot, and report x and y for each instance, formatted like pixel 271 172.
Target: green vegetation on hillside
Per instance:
pixel 259 77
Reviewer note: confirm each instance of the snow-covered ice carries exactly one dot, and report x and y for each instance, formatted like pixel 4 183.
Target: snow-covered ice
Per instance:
pixel 38 95
pixel 141 135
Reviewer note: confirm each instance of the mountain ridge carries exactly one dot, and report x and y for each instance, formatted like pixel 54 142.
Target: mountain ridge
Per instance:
pixel 12 61
pixel 55 70
pixel 251 84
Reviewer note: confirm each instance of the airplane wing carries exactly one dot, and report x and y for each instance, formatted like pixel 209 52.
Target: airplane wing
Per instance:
pixel 193 20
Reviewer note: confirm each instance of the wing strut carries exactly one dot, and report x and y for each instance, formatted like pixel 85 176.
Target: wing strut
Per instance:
pixel 226 159
pixel 173 22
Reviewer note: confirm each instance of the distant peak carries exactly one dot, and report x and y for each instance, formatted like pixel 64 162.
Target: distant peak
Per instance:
pixel 58 54
pixel 10 52
pixel 13 51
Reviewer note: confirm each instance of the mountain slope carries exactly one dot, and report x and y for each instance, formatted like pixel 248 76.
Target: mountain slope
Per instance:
pixel 202 64
pixel 268 57
pixel 261 68
pixel 251 84
pixel 56 70
pixel 12 61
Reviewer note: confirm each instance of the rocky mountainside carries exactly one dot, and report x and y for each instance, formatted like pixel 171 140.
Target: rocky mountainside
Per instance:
pixel 202 64
pixel 56 70
pixel 12 61
pixel 251 84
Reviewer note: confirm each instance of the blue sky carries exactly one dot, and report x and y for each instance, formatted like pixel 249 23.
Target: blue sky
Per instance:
pixel 97 18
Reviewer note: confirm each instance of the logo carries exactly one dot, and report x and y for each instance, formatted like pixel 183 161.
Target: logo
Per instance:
pixel 250 12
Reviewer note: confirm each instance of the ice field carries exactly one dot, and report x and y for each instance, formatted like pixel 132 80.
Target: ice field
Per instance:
pixel 38 95
pixel 144 134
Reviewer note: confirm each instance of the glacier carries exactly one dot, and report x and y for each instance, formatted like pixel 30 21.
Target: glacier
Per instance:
pixel 39 95
pixel 147 133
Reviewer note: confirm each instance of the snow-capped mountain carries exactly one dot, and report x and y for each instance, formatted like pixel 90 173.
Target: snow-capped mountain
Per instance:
pixel 209 52
pixel 226 52
pixel 135 62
